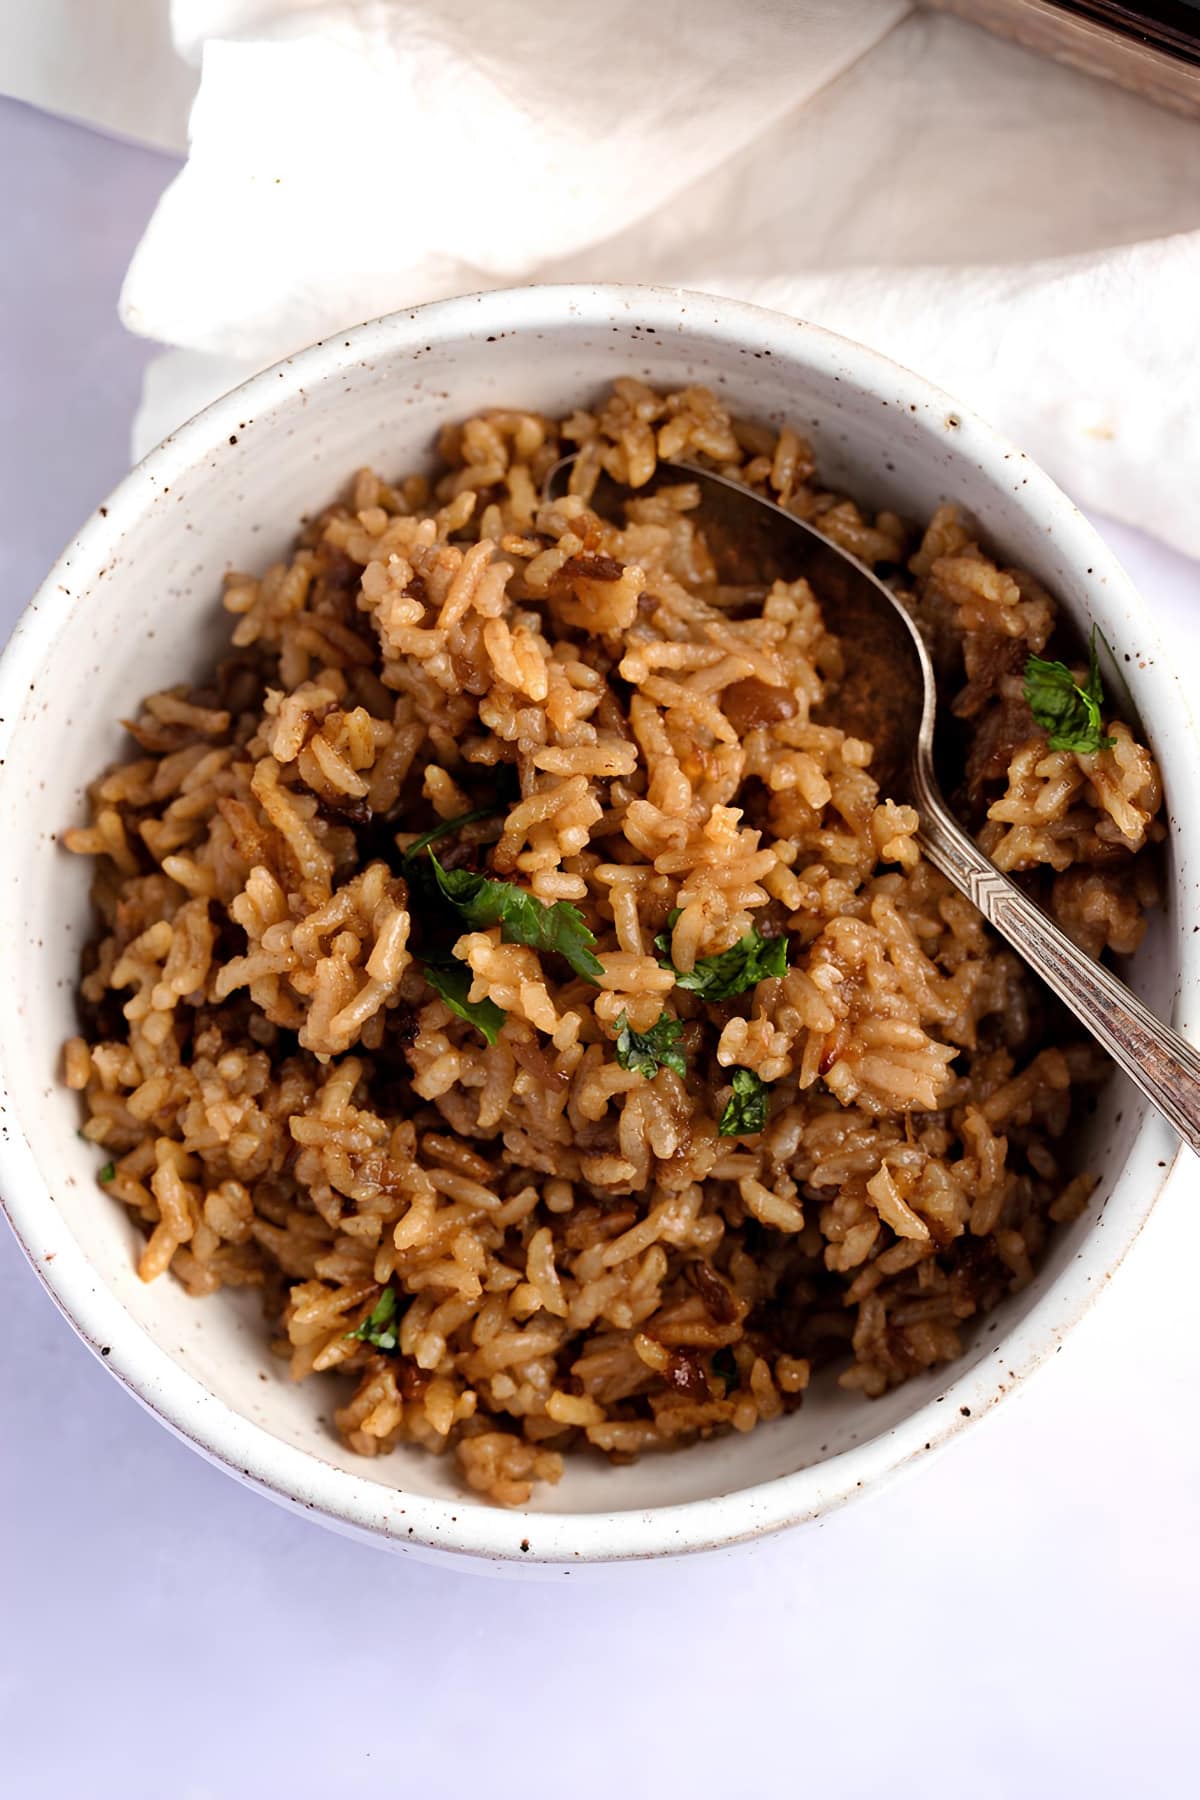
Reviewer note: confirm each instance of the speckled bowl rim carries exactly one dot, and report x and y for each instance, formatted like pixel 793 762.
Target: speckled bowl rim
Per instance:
pixel 304 1480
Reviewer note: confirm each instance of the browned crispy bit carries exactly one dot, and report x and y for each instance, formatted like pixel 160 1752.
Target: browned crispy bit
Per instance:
pixel 716 1296
pixel 685 1373
pixel 591 567
pixel 344 809
pixel 751 704
pixel 411 1379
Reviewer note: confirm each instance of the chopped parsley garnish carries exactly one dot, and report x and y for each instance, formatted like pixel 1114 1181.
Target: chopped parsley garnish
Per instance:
pixel 480 902
pixel 452 980
pixel 650 1051
pixel 108 1172
pixel 746 1111
pixel 752 959
pixel 381 1327
pixel 724 1364
pixel 444 901
pixel 1068 713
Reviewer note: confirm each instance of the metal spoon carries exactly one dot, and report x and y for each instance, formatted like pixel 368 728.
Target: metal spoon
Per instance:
pixel 890 697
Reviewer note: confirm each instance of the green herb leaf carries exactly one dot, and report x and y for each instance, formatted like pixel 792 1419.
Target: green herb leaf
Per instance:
pixel 724 1364
pixel 650 1051
pixel 1068 713
pixel 381 1327
pixel 746 1111
pixel 108 1172
pixel 752 959
pixel 452 980
pixel 447 826
pixel 482 902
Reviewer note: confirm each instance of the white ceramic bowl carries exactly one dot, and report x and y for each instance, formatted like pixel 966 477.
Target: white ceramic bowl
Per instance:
pixel 133 605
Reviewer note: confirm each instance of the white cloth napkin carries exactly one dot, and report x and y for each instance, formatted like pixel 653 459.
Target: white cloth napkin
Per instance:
pixel 1025 235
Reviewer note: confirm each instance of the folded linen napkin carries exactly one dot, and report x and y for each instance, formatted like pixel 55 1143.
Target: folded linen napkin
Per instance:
pixel 1025 235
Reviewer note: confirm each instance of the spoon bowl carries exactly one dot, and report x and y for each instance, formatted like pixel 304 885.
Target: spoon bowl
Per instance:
pixel 888 693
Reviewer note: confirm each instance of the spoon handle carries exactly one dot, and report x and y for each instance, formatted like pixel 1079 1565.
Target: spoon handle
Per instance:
pixel 1163 1064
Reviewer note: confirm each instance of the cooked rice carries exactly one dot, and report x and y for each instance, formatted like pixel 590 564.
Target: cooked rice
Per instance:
pixel 579 1257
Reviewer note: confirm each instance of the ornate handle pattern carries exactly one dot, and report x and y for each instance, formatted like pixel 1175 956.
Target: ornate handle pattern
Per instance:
pixel 1164 1065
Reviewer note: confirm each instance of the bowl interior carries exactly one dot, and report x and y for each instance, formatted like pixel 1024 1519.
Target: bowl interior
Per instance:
pixel 136 606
